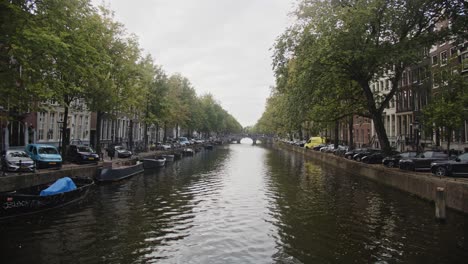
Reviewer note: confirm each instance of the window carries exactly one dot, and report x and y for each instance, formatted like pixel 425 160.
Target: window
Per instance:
pixel 443 58
pixel 464 61
pixel 434 60
pixel 436 79
pixel 404 79
pixel 414 76
pixel 42 117
pixel 444 77
pixel 50 133
pixel 453 52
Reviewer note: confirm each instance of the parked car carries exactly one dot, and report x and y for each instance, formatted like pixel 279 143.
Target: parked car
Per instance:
pixel 422 161
pixel 341 150
pixel 453 167
pixel 318 147
pixel 350 153
pixel 376 157
pixel 394 160
pixel 183 141
pixel 81 154
pixel 45 156
pixel 161 146
pixel 120 151
pixel 17 161
pixel 300 143
pixel 358 156
pixel 314 141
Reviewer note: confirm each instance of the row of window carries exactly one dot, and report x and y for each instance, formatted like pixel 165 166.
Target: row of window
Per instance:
pixel 50 123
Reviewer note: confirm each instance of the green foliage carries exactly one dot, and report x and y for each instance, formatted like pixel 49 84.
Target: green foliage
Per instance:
pixel 324 63
pixel 68 50
pixel 448 109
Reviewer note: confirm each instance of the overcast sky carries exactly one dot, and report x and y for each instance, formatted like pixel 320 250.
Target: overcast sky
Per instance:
pixel 221 46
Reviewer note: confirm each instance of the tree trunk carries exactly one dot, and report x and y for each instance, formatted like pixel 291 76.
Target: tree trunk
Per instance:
pixel 381 132
pixel 376 115
pixel 177 130
pixel 449 139
pixel 64 131
pixel 165 132
pixel 146 137
pixel 437 137
pixel 337 131
pixel 157 132
pixel 97 141
pixel 351 132
pixel 130 135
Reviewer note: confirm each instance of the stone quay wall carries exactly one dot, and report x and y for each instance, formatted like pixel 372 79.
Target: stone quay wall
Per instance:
pixel 423 185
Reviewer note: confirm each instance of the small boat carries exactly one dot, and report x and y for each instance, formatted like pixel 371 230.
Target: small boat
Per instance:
pixel 169 158
pixel 177 155
pixel 153 163
pixel 209 147
pixel 110 174
pixel 188 152
pixel 44 197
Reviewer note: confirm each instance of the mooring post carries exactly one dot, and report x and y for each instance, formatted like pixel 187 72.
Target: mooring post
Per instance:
pixel 440 203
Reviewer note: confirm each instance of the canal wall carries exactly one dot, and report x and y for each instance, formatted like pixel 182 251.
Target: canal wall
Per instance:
pixel 19 181
pixel 15 181
pixel 423 185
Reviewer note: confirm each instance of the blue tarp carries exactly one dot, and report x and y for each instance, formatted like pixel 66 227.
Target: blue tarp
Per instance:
pixel 61 185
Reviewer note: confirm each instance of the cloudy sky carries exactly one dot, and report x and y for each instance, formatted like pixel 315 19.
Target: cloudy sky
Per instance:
pixel 221 46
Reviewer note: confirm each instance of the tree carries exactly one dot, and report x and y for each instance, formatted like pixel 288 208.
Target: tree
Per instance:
pixel 363 40
pixel 448 109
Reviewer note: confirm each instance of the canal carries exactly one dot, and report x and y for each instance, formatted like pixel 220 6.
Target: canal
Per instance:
pixel 240 204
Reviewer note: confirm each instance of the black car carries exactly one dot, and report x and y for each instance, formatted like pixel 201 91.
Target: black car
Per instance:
pixel 358 156
pixel 350 154
pixel 376 157
pixel 455 167
pixel 318 147
pixel 81 154
pixel 422 161
pixel 394 160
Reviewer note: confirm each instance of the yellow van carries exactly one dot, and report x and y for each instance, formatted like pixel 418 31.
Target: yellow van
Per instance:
pixel 314 141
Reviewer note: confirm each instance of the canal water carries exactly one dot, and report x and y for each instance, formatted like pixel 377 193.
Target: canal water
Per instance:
pixel 240 204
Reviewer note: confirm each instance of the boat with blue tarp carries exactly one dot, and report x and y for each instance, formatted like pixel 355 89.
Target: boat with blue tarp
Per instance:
pixel 43 197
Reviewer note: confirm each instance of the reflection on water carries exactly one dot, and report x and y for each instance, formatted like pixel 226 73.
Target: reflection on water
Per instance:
pixel 240 204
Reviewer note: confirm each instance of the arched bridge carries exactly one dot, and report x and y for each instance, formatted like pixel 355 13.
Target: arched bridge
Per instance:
pixel 263 138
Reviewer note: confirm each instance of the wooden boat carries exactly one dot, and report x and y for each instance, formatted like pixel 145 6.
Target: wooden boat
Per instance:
pixel 169 158
pixel 153 163
pixel 110 174
pixel 29 201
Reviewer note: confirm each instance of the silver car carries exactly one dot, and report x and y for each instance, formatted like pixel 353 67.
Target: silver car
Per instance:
pixel 17 161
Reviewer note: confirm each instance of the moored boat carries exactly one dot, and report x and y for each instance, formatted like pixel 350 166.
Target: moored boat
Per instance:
pixel 110 174
pixel 169 158
pixel 177 155
pixel 153 163
pixel 209 147
pixel 188 152
pixel 44 197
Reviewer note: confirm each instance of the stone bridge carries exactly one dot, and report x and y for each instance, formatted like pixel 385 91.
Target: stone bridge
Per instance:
pixel 264 139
